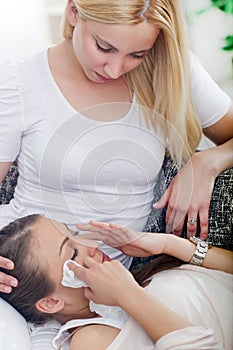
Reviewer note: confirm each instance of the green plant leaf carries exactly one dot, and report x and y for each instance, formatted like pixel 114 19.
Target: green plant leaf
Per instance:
pixel 228 43
pixel 223 5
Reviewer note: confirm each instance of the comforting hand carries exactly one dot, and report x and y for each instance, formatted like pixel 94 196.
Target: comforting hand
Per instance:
pixel 107 281
pixel 189 195
pixel 6 281
pixel 128 241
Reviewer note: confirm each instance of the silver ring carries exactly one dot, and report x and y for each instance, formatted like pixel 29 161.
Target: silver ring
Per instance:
pixel 193 221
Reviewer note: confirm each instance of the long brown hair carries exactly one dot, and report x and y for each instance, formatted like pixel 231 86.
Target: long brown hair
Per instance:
pixel 159 263
pixel 17 243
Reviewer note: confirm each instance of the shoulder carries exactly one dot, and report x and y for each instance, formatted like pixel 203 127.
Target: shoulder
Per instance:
pixel 9 75
pixel 97 337
pixel 210 101
pixel 16 69
pixel 13 72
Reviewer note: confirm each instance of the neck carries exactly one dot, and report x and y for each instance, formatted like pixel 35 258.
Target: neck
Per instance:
pixel 62 59
pixel 63 318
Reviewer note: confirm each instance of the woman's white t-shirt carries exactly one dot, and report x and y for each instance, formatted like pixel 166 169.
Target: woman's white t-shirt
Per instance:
pixel 74 169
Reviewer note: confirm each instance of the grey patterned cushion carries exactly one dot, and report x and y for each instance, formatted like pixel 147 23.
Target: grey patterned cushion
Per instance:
pixel 220 213
pixel 221 206
pixel 7 187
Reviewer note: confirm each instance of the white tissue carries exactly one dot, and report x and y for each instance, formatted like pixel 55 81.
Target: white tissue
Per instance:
pixel 69 279
pixel 105 310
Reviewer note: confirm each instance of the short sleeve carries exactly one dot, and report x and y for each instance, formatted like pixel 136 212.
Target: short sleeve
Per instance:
pixel 11 113
pixel 210 102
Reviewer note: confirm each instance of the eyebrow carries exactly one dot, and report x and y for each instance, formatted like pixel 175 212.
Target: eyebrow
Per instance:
pixel 114 48
pixel 72 232
pixel 62 245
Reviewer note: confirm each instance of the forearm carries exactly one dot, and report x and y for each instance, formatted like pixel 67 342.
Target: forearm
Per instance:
pixel 221 156
pixel 156 319
pixel 215 160
pixel 111 283
pixel 221 133
pixel 145 244
pixel 183 249
pixel 4 167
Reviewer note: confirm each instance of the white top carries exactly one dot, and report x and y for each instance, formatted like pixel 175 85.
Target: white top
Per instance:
pixel 63 337
pixel 74 169
pixel 201 296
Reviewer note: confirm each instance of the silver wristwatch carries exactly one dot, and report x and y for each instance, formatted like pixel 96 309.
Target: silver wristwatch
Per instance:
pixel 201 250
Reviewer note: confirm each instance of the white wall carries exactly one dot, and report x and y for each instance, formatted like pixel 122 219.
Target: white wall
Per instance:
pixel 27 26
pixel 207 32
pixel 23 27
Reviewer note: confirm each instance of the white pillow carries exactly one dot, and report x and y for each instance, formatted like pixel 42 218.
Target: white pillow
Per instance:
pixel 13 329
pixel 42 336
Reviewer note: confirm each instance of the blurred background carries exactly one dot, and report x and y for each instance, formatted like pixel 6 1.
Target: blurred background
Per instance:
pixel 28 26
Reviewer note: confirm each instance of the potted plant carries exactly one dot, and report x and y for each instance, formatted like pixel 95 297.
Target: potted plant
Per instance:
pixel 227 7
pixel 210 25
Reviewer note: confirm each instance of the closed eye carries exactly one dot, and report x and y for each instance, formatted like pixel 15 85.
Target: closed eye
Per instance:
pixel 75 254
pixel 103 49
pixel 139 56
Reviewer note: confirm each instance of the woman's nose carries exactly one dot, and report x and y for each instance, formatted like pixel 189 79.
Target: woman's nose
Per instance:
pixel 92 249
pixel 114 68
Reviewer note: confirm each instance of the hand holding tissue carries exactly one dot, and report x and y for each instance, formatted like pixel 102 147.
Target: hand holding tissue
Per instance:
pixel 70 280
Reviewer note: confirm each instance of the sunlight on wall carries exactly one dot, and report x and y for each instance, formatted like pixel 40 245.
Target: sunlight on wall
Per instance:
pixel 28 26
pixel 23 28
pixel 207 32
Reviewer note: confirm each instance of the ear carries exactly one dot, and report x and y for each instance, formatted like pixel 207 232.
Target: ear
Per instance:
pixel 50 305
pixel 72 13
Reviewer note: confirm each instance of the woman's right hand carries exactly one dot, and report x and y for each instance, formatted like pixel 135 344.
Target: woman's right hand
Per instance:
pixel 107 282
pixel 7 281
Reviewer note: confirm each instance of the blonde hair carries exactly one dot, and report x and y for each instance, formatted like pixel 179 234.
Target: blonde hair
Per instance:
pixel 162 82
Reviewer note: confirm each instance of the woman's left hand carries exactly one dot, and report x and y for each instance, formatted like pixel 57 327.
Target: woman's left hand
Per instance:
pixel 189 195
pixel 128 241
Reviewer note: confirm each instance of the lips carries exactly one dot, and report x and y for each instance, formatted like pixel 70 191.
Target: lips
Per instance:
pixel 105 258
pixel 101 77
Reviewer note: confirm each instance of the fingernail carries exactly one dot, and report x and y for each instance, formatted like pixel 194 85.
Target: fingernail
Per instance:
pixel 6 289
pixel 13 283
pixel 9 265
pixel 168 228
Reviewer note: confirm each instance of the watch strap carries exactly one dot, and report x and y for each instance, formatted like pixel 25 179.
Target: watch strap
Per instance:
pixel 200 252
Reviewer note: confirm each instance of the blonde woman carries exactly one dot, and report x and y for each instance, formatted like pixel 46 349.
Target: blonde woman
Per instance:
pixel 89 120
